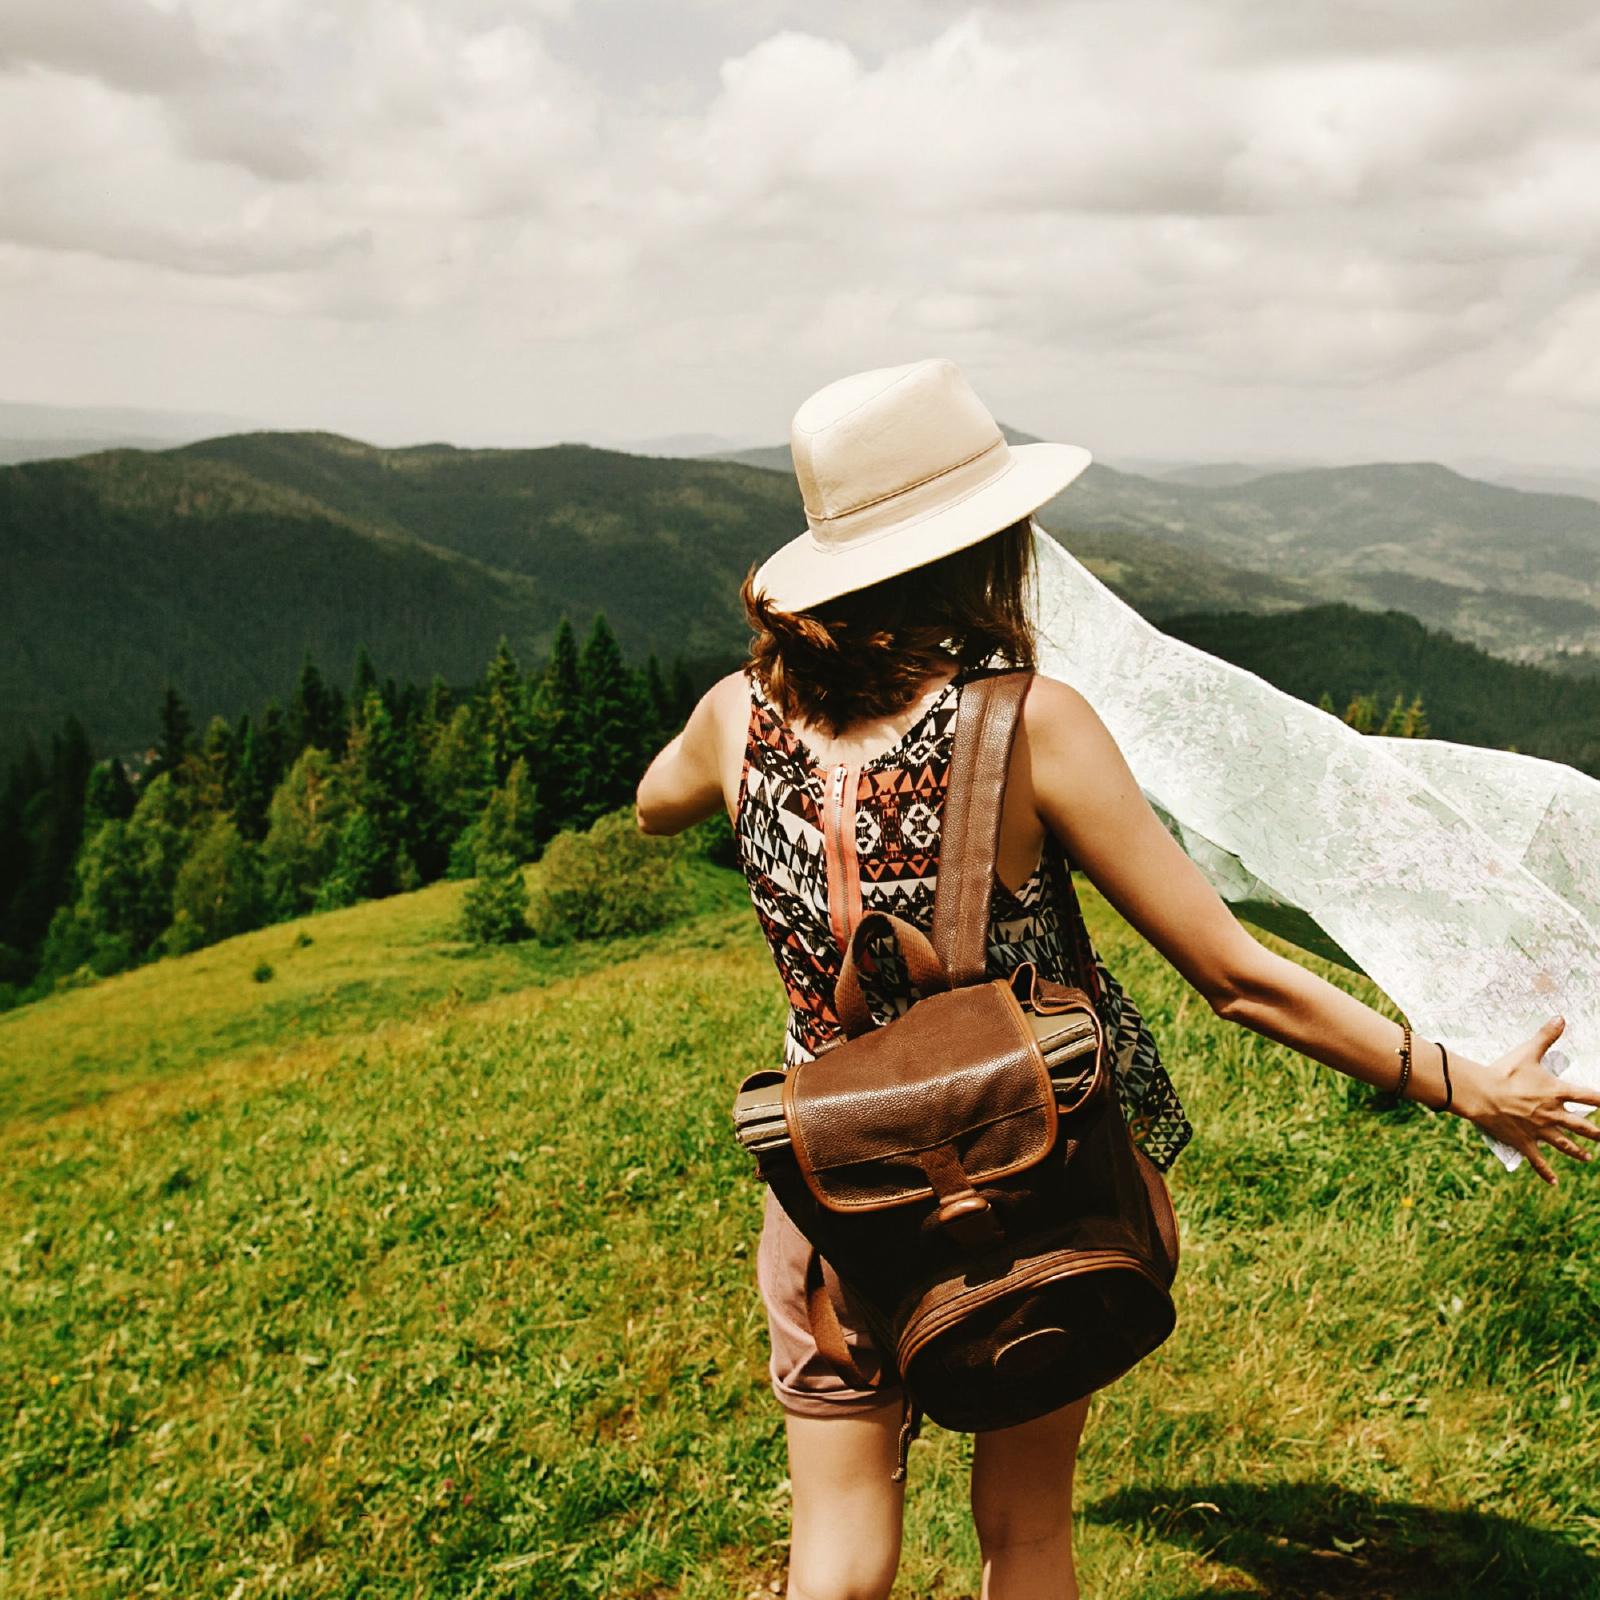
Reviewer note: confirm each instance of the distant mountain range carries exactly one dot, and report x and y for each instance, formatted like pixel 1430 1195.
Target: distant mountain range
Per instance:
pixel 42 433
pixel 220 563
pixel 1515 572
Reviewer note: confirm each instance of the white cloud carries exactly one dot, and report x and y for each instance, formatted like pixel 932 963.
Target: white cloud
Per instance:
pixel 1566 364
pixel 553 218
pixel 145 49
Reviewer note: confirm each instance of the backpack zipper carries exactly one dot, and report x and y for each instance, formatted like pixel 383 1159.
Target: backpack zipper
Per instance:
pixel 839 848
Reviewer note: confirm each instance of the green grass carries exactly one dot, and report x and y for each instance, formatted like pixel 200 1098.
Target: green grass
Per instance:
pixel 372 962
pixel 422 1272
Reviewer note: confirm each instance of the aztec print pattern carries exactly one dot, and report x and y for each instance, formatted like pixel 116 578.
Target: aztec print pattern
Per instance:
pixel 896 810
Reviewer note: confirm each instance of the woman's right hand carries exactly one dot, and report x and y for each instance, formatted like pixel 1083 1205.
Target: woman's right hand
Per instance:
pixel 1520 1102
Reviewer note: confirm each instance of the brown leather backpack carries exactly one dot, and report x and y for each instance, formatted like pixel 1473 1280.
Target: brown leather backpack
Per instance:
pixel 966 1169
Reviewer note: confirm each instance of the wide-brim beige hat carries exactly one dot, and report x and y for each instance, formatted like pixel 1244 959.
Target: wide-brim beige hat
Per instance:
pixel 897 467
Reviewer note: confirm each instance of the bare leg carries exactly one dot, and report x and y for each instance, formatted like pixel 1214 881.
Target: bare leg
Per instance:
pixel 1022 1504
pixel 845 1539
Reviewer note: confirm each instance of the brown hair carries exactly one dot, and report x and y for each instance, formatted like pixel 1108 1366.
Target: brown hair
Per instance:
pixel 865 653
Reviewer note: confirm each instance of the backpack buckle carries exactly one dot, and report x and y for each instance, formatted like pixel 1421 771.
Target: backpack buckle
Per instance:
pixel 968 1218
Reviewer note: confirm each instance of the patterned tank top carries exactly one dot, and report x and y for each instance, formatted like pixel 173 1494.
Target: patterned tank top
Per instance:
pixel 822 845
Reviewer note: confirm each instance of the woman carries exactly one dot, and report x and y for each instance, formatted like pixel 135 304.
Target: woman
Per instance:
pixel 830 753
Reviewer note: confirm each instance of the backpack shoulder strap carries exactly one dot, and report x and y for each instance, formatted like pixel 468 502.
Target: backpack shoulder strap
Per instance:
pixel 987 714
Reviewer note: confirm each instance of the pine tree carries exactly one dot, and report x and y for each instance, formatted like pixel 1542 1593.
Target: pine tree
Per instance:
pixel 494 909
pixel 387 789
pixel 683 695
pixel 109 797
pixel 505 712
pixel 557 736
pixel 1394 718
pixel 250 789
pixel 455 787
pixel 1361 712
pixel 616 725
pixel 438 704
pixel 313 715
pixel 274 745
pixel 21 780
pixel 1325 703
pixel 364 686
pixel 25 892
pixel 659 698
pixel 177 734
pixel 52 826
pixel 519 813
pixel 362 865
pixel 127 872
pixel 1414 725
pixel 214 770
pixel 71 762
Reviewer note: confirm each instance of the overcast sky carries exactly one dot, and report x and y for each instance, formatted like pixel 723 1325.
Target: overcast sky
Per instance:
pixel 1158 228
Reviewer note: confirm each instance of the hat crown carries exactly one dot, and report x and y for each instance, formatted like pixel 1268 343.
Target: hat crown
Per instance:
pixel 873 436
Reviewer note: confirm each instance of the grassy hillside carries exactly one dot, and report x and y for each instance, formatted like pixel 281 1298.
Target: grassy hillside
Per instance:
pixel 418 1272
pixel 1470 697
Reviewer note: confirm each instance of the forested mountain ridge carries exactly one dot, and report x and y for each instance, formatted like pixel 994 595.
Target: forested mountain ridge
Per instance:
pixel 1515 572
pixel 127 570
pixel 1470 697
pixel 1407 517
pixel 217 566
pixel 660 544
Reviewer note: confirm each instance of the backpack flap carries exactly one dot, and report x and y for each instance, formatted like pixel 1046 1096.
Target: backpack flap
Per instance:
pixel 1069 1035
pixel 953 1094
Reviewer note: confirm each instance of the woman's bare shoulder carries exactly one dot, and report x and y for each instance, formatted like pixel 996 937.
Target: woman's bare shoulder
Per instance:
pixel 1054 707
pixel 723 713
pixel 729 697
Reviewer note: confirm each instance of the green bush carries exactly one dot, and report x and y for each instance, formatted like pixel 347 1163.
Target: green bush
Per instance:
pixel 713 840
pixel 611 880
pixel 494 908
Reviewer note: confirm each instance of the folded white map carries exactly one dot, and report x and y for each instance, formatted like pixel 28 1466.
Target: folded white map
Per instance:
pixel 1464 882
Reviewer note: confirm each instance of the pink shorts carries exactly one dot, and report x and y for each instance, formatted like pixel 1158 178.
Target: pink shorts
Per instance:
pixel 803 1379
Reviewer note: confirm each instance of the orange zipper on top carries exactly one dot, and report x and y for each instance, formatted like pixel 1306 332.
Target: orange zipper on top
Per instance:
pixel 839 850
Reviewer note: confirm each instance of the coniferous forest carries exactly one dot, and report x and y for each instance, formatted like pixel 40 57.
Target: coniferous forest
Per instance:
pixel 331 795
pixel 328 797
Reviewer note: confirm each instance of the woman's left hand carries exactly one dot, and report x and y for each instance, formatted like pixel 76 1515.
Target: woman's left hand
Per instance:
pixel 1519 1101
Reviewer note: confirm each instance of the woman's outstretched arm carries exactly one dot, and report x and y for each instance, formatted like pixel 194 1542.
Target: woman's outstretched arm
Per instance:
pixel 1087 796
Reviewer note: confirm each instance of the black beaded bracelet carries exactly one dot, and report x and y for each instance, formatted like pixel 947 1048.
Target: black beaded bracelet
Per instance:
pixel 1444 1061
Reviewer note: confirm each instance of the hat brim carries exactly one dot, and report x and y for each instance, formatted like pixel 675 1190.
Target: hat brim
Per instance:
pixel 804 572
